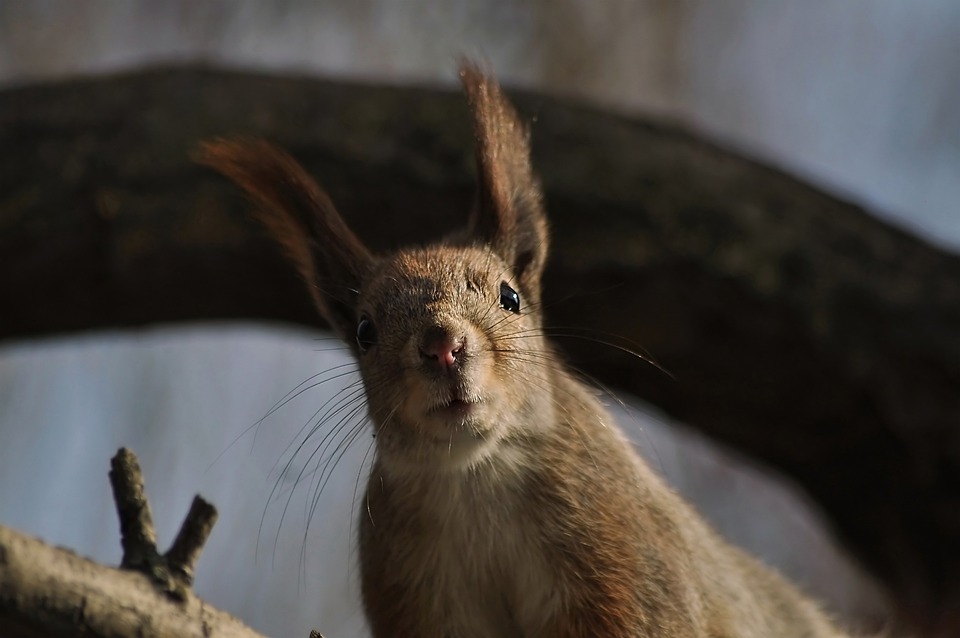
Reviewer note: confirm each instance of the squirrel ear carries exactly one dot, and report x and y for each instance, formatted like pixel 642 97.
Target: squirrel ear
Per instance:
pixel 509 214
pixel 301 218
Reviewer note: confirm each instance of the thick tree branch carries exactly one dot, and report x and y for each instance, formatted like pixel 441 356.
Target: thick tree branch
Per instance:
pixel 796 326
pixel 51 592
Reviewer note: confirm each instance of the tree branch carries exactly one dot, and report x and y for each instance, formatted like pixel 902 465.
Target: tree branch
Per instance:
pixel 49 592
pixel 173 571
pixel 183 554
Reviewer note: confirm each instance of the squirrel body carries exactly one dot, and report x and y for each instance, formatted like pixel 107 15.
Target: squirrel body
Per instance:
pixel 503 501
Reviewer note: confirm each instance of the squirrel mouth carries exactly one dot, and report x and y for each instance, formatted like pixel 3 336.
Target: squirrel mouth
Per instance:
pixel 455 407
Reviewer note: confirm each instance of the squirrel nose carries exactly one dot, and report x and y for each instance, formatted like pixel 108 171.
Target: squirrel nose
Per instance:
pixel 440 347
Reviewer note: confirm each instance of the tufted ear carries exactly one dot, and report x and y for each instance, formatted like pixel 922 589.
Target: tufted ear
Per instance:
pixel 302 219
pixel 509 214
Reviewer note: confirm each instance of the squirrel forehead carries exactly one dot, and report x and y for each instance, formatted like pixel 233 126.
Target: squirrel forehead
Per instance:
pixel 430 274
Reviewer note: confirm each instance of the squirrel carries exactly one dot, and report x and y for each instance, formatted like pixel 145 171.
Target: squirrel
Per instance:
pixel 503 500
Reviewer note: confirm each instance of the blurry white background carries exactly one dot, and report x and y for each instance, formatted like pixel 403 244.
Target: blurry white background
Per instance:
pixel 860 96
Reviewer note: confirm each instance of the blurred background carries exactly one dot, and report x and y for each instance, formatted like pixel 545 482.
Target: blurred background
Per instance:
pixel 862 98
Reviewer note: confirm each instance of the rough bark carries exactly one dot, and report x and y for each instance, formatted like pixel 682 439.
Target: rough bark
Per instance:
pixel 795 326
pixel 50 592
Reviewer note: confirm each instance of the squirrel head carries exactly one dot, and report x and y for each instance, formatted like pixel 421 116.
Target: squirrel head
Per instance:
pixel 448 337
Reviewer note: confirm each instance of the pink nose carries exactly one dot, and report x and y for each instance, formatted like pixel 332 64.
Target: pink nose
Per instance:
pixel 439 346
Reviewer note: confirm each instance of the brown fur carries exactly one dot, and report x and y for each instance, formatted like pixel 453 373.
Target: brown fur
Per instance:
pixel 503 501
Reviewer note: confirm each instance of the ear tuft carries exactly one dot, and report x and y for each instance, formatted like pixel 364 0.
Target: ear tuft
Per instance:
pixel 509 214
pixel 302 219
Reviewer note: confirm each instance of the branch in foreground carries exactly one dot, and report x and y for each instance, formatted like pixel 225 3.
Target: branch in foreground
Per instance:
pixel 50 592
pixel 173 571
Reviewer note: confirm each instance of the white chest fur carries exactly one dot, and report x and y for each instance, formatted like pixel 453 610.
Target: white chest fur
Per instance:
pixel 475 553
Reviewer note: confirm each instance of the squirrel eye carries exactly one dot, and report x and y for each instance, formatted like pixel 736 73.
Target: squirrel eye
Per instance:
pixel 509 299
pixel 366 335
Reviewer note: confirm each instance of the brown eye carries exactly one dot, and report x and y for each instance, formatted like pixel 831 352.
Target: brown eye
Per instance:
pixel 366 335
pixel 509 299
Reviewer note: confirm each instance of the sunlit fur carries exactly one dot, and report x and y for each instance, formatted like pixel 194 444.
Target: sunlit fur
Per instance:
pixel 456 290
pixel 502 500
